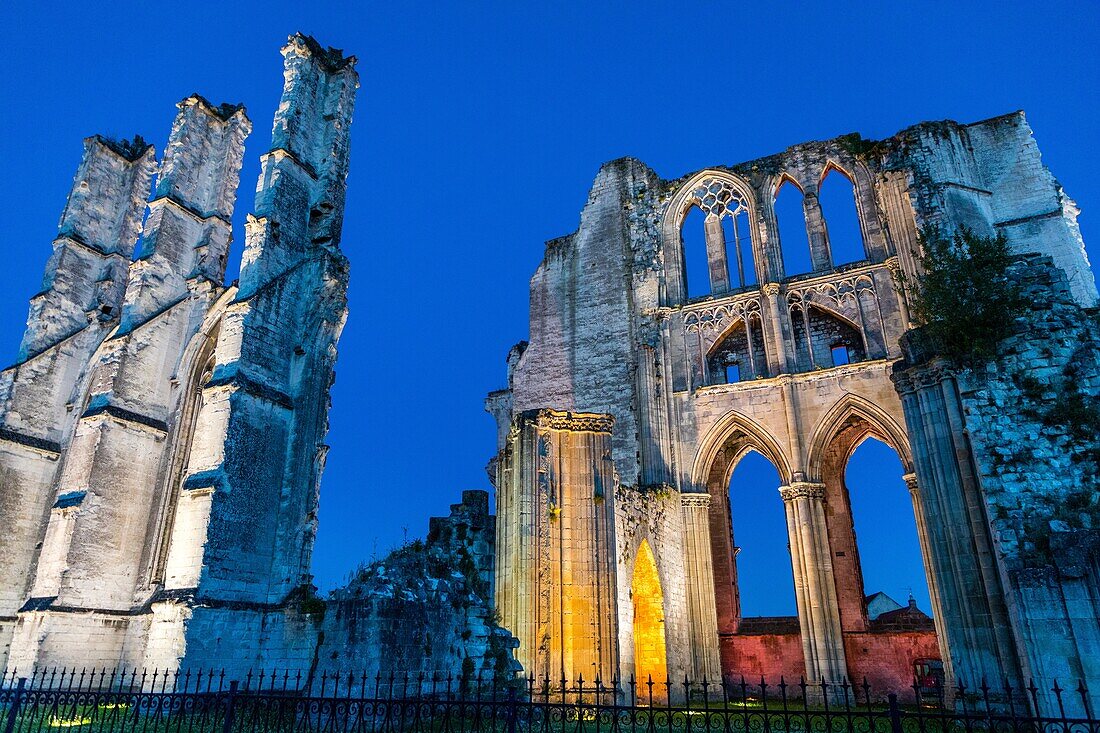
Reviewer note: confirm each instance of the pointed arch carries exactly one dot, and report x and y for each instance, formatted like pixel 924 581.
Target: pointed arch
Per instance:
pixel 195 368
pixel 690 195
pixel 851 410
pixel 743 343
pixel 791 226
pixel 650 655
pixel 843 217
pixel 735 425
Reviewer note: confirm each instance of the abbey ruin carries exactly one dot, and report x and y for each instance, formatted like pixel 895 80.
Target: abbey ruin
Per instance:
pixel 162 432
pixel 632 403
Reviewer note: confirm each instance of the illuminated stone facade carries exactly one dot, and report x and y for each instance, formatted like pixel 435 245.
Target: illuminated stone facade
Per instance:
pixel 627 412
pixel 161 434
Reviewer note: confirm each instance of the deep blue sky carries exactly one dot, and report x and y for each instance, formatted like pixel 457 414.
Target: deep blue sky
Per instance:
pixel 478 131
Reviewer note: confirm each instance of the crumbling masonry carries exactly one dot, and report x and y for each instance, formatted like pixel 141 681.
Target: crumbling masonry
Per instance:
pixel 161 433
pixel 627 412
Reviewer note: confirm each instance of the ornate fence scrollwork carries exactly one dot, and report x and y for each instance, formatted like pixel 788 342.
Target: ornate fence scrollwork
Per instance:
pixel 207 702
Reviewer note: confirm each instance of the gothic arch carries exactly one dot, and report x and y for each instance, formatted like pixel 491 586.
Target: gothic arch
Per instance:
pixel 675 289
pixel 745 337
pixel 650 642
pixel 873 421
pixel 193 372
pixel 784 178
pixel 874 244
pixel 755 437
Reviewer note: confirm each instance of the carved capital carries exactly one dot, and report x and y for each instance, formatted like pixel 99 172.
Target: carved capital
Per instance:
pixel 701 501
pixel 576 422
pixel 893 265
pixel 802 490
pixel 910 480
pixel 770 289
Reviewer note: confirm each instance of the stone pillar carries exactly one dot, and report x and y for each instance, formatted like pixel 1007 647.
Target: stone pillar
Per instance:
pixel 189 227
pixel 815 589
pixel 977 636
pixel 933 583
pixel 894 266
pixel 816 232
pixel 266 404
pixel 716 255
pixel 556 571
pixel 699 564
pixel 776 319
pixel 86 274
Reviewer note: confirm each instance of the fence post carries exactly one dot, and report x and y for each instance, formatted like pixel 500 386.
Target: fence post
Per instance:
pixel 227 724
pixel 895 714
pixel 13 712
pixel 512 708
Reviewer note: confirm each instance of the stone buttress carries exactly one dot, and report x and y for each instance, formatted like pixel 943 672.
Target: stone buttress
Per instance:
pixel 99 556
pixel 247 512
pixel 41 395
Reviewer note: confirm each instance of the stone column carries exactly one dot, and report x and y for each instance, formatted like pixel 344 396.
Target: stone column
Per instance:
pixel 816 232
pixel 698 563
pixel 555 568
pixel 778 342
pixel 894 266
pixel 933 585
pixel 716 256
pixel 815 590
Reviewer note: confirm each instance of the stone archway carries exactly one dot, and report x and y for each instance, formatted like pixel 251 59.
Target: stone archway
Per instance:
pixel 650 657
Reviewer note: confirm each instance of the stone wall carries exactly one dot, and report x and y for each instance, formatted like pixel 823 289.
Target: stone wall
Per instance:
pixel 1024 430
pixel 614 332
pixel 424 610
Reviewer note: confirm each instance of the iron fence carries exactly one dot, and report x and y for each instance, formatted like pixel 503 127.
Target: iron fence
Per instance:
pixel 60 701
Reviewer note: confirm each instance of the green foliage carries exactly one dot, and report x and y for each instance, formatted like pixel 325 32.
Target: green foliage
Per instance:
pixel 964 301
pixel 857 146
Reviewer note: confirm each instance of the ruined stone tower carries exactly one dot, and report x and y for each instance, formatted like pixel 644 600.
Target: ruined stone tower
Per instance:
pixel 161 434
pixel 627 413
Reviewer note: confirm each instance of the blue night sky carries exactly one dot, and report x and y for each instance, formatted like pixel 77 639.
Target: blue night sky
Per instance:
pixel 479 129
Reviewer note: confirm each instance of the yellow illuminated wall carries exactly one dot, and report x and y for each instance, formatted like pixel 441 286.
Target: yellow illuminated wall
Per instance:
pixel 649 625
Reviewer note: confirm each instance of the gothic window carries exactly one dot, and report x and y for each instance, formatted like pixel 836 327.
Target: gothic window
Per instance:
pixel 838 207
pixel 717 241
pixel 818 334
pixel 183 438
pixel 791 219
pixel 739 257
pixel 697 269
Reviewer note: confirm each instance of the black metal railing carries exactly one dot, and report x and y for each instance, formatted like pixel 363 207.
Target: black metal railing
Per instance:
pixel 75 701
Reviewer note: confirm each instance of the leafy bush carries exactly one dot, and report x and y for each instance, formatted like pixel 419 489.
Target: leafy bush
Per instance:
pixel 965 301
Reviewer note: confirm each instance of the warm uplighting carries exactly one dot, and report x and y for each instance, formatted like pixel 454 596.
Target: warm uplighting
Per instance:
pixel 649 624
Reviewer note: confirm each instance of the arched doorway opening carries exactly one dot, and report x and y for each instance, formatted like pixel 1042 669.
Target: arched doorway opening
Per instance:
pixel 861 458
pixel 763 578
pixel 650 658
pixel 743 470
pixel 890 552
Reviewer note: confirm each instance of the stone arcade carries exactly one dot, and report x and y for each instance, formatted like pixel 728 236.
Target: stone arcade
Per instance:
pixel 626 414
